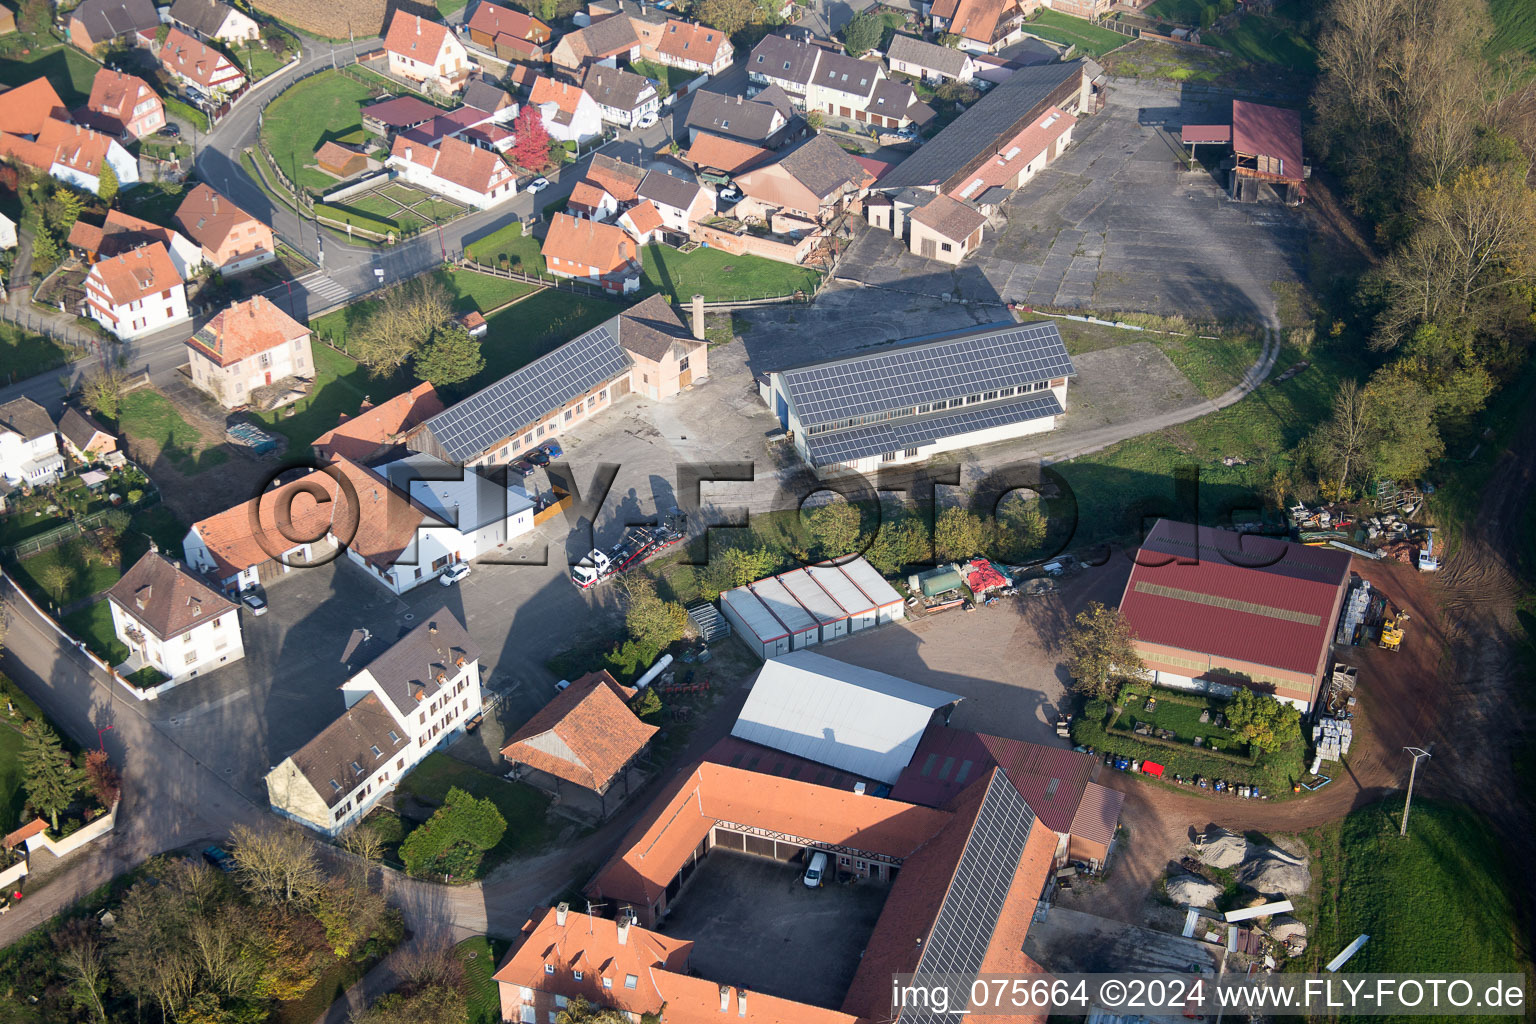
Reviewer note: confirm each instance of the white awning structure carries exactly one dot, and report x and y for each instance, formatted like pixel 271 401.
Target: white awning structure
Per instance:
pixel 856 719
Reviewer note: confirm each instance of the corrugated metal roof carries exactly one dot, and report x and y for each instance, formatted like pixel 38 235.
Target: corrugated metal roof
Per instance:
pixel 1259 130
pixel 870 582
pixel 843 590
pixel 783 605
pixel 811 597
pixel 1097 814
pixel 1245 598
pixel 752 611
pixel 833 713
pixel 1197 133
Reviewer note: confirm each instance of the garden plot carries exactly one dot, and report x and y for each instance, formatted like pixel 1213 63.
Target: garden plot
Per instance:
pixel 401 204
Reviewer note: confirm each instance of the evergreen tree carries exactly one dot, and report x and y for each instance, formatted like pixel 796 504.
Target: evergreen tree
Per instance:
pixel 51 778
pixel 452 356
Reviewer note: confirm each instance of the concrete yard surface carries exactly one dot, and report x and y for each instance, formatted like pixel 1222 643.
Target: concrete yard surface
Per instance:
pixel 1071 942
pixel 755 924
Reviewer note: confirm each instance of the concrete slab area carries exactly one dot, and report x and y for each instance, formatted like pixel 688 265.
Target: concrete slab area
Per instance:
pixel 754 923
pixel 1069 941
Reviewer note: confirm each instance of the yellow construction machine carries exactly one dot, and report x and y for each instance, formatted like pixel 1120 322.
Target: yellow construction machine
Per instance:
pixel 1392 631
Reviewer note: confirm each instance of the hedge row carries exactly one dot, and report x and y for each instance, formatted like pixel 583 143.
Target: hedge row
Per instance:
pixel 190 113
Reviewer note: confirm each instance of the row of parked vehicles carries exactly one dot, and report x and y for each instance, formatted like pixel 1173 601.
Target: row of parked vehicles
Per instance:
pixel 1122 763
pixel 536 458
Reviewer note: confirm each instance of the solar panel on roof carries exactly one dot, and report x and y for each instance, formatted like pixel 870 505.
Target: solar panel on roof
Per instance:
pixel 862 442
pixel 962 931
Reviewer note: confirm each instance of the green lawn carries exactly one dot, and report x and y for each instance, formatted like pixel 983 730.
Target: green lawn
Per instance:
pixel 718 275
pixel 150 416
pixel 447 7
pixel 258 61
pixel 1267 41
pixel 88 577
pixel 318 109
pixel 67 69
pixel 537 325
pixel 671 79
pixel 525 808
pixel 1182 719
pixel 1063 28
pixel 508 241
pixel 1183 12
pixel 480 955
pixel 24 354
pixel 438 210
pixel 1514 26
pixel 93 626
pixel 469 290
pixel 13 799
pixel 1213 366
pixel 1368 880
pixel 155 202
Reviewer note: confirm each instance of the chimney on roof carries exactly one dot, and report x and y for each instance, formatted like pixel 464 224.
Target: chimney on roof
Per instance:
pixel 418 24
pixel 741 1002
pixel 858 788
pixel 738 99
pixel 725 998
pixel 408 154
pixel 561 909
pixel 623 922
pixel 698 317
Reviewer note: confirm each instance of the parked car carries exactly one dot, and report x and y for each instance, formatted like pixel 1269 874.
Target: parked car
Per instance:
pixel 552 450
pixel 647 120
pixel 523 467
pixel 170 131
pixel 730 194
pixel 538 184
pixel 562 685
pixel 454 573
pixel 219 858
pixel 254 602
pixel 537 456
pixel 816 871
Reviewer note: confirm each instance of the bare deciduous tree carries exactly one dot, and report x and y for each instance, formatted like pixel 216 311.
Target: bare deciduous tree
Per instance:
pixel 1340 444
pixel 277 864
pixel 402 324
pixel 83 961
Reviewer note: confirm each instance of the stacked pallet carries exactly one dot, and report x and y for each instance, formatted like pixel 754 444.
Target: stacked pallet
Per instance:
pixel 1331 737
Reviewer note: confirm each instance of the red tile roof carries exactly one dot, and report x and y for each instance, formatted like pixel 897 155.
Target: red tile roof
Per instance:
pixel 1205 133
pixel 500 21
pixel 1252 599
pixel 1258 130
pixel 248 534
pixel 587 195
pixel 209 218
pixel 34 827
pixel 644 217
pixel 198 62
pixel 587 243
pixel 456 161
pixel 413 36
pixel 688 41
pixel 683 815
pixel 137 274
pixel 617 178
pixel 1098 814
pixel 586 735
pixel 117 234
pixel 116 94
pixel 728 155
pixel 246 329
pixel 24 109
pixel 562 94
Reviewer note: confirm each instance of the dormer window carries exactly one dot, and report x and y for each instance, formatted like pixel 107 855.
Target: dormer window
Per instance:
pixel 631 981
pixel 335 786
pixel 607 983
pixel 375 751
pixel 549 968
pixel 577 975
pixel 786 64
pixel 357 768
pixel 394 737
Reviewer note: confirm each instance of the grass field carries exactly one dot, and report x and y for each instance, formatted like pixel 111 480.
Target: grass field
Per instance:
pixel 257 61
pixel 537 325
pixel 69 71
pixel 24 354
pixel 1063 28
pixel 525 808
pixel 671 79
pixel 93 626
pixel 1184 12
pixel 12 799
pixel 155 202
pixel 480 955
pixel 1183 720
pixel 1514 26
pixel 1212 366
pixel 318 109
pixel 86 577
pixel 719 275
pixel 1267 41
pixel 469 290
pixel 508 241
pixel 150 415
pixel 1366 879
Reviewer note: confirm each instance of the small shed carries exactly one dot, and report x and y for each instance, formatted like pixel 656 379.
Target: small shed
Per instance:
pixel 803 628
pixel 754 623
pixel 888 604
pixel 861 611
pixel 829 614
pixel 335 159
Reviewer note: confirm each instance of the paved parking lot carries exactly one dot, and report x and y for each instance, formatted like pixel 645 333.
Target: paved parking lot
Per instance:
pixel 754 923
pixel 1116 225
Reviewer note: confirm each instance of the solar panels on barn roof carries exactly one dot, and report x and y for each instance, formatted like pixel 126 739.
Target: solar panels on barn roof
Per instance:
pixel 527 395
pixel 862 442
pixel 929 370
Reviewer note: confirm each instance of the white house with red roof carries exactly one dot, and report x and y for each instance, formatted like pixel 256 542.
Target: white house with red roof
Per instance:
pixel 570 115
pixel 589 250
pixel 456 169
pixel 122 105
pixel 35 130
pixel 199 66
pixel 247 346
pixel 136 293
pixel 426 52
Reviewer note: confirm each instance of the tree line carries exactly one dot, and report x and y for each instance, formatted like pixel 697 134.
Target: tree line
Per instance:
pixel 1433 142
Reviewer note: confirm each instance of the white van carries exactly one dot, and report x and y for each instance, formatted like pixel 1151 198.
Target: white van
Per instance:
pixel 818 868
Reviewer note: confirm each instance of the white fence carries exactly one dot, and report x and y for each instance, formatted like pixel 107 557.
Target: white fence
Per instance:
pixel 359 186
pixel 76 839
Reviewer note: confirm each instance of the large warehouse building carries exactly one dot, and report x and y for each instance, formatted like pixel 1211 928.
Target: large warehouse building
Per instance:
pixel 1213 610
pixel 923 396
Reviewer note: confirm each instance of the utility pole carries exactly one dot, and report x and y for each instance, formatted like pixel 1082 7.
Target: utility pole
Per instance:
pixel 1418 755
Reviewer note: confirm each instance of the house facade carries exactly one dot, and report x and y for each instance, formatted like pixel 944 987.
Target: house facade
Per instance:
pixel 29 445
pixel 172 622
pixel 70 152
pixel 198 66
pixel 98 22
pixel 136 293
pixel 622 98
pixel 510 34
pixel 928 62
pixel 232 240
pixel 83 437
pixel 569 114
pixel 413 699
pixel 806 188
pixel 489 513
pixel 983 26
pixel 124 105
pixel 247 346
pixel 120 233
pixel 426 52
pixel 376 426
pixel 591 251
pixel 214 19
pixel 611 41
pixel 455 168
pixel 787 63
pixel 689 46
pixel 681 202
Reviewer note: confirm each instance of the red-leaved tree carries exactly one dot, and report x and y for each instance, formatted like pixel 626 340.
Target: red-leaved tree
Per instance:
pixel 102 777
pixel 531 150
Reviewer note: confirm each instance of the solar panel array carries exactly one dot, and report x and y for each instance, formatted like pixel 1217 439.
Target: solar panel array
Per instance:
pixel 958 943
pixel 919 374
pixel 862 442
pixel 521 398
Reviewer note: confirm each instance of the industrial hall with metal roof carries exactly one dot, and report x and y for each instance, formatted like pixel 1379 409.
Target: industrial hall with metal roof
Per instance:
pixel 925 395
